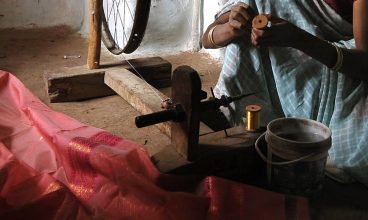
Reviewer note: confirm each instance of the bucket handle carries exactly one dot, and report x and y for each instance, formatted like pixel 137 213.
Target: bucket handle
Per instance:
pixel 264 158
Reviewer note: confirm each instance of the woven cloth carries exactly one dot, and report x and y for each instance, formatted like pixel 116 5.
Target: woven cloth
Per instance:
pixel 289 83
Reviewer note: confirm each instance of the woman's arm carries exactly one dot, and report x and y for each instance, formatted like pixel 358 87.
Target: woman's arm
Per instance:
pixel 360 24
pixel 229 26
pixel 355 61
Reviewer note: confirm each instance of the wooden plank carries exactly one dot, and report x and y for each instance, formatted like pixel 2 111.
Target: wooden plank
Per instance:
pixel 169 159
pixel 236 137
pixel 231 156
pixel 79 83
pixel 186 90
pixel 76 84
pixel 155 70
pixel 136 92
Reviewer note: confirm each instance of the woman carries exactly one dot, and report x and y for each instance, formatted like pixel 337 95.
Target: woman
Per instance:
pixel 310 62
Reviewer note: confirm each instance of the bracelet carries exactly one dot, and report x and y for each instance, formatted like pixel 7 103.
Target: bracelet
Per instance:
pixel 210 37
pixel 339 60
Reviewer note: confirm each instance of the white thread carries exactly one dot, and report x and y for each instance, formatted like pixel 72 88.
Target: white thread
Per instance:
pixel 149 85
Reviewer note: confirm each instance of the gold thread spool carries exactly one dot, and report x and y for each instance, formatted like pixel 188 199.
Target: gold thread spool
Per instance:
pixel 260 22
pixel 253 117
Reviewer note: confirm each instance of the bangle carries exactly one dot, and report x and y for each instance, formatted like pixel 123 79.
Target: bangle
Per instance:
pixel 210 37
pixel 339 60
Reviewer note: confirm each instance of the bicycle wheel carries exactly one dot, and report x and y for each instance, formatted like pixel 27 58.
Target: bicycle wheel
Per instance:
pixel 123 24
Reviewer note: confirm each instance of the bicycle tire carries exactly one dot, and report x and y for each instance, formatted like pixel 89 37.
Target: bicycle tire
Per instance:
pixel 141 14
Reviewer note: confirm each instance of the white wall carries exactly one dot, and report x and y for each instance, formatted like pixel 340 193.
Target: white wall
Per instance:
pixel 173 25
pixel 210 8
pixel 177 25
pixel 41 13
pixel 169 27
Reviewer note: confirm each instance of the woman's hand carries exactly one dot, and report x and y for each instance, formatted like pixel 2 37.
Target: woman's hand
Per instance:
pixel 229 26
pixel 281 33
pixel 240 20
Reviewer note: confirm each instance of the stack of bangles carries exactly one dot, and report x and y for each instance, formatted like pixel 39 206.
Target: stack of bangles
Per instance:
pixel 210 38
pixel 339 60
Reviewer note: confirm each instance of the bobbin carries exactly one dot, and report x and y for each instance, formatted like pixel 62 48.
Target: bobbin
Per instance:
pixel 260 21
pixel 253 118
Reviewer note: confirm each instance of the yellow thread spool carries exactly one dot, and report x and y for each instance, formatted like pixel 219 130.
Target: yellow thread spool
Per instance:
pixel 253 117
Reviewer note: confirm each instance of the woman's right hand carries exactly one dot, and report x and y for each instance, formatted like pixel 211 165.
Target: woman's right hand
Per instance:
pixel 229 26
pixel 240 20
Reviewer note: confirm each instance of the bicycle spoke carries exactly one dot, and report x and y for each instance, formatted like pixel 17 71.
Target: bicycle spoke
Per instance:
pixel 121 25
pixel 115 23
pixel 125 38
pixel 112 9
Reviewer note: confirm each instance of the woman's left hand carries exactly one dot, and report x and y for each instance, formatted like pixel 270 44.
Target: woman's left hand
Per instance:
pixel 281 33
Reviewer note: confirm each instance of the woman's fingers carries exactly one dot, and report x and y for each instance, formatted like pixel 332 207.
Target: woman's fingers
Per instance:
pixel 256 38
pixel 241 13
pixel 238 19
pixel 263 37
pixel 245 10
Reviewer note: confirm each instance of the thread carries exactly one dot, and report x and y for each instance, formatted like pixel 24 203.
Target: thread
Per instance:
pixel 253 117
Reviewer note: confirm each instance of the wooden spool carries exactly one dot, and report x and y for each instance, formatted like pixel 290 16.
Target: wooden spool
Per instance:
pixel 260 22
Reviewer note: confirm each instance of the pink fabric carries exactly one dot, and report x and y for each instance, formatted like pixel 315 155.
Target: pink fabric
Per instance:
pixel 54 167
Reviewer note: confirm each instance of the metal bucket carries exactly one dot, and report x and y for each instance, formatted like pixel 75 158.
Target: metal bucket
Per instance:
pixel 297 151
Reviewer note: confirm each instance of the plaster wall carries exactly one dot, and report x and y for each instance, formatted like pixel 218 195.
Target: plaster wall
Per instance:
pixel 210 8
pixel 173 25
pixel 177 25
pixel 169 27
pixel 41 13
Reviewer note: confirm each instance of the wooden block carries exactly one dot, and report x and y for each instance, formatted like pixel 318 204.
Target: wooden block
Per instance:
pixel 186 90
pixel 137 93
pixel 80 83
pixel 237 138
pixel 168 159
pixel 233 157
pixel 154 70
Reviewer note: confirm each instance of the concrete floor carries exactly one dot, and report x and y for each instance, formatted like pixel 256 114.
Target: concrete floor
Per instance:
pixel 29 54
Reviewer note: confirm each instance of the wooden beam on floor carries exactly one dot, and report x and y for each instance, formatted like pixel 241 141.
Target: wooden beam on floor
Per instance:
pixel 80 83
pixel 144 98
